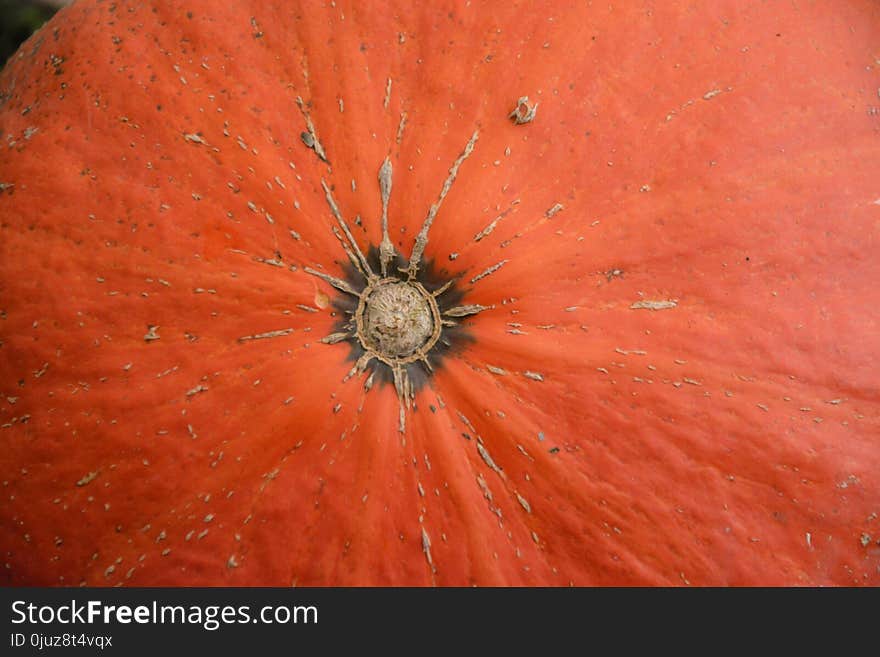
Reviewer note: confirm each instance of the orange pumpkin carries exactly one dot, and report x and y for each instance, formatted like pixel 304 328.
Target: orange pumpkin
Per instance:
pixel 655 361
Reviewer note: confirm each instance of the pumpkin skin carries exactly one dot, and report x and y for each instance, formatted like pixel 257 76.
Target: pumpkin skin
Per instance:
pixel 675 382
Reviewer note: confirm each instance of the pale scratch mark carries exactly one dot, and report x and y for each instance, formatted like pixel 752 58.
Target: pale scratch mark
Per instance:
pixel 400 127
pixel 496 370
pixel 555 209
pixel 269 334
pixel 488 229
pixel 484 454
pixel 484 488
pixel 422 238
pixel 494 223
pixel 426 548
pixel 709 95
pixel 195 138
pixel 387 94
pixel 534 376
pixel 170 370
pixel 489 270
pixel 663 304
pixel 273 262
pixel 464 420
pixel 87 479
pixel 194 391
pixel 524 503
pixel 310 138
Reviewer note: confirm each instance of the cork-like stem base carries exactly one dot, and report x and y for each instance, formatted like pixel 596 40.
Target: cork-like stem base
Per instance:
pixel 398 321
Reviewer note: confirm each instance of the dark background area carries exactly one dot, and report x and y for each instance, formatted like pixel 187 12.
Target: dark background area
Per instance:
pixel 19 19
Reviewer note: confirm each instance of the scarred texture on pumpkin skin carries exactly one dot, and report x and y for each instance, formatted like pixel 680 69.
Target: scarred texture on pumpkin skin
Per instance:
pixel 719 159
pixel 397 319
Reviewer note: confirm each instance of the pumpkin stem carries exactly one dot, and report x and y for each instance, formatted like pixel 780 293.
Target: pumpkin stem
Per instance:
pixel 398 321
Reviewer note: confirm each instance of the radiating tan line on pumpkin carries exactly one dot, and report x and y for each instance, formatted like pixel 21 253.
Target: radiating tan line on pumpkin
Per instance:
pixel 524 502
pixel 463 311
pixel 647 304
pixel 333 338
pixel 360 366
pixel 269 334
pixel 334 208
pixel 386 248
pixel 368 384
pixel 338 283
pixel 484 454
pixel 489 270
pixel 525 230
pixel 352 258
pixel 310 138
pixel 494 223
pixel 403 387
pixel 440 290
pixel 422 238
